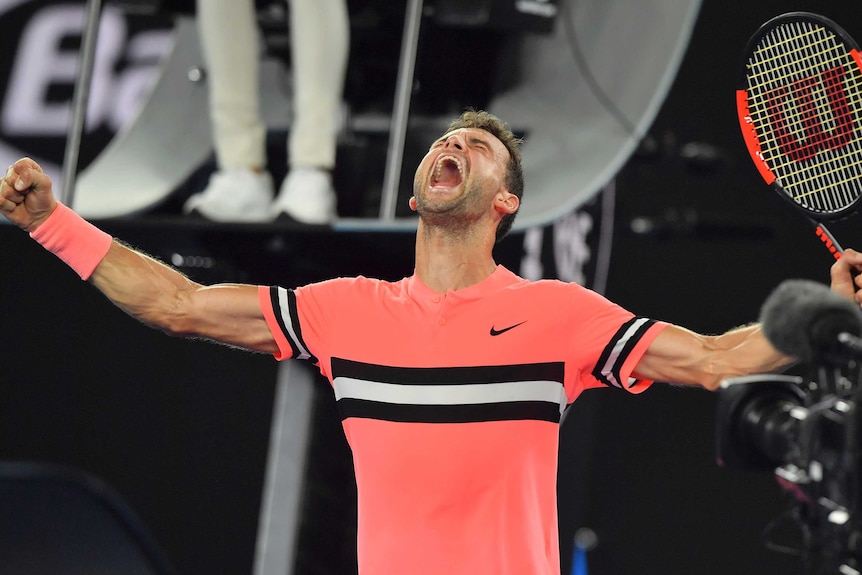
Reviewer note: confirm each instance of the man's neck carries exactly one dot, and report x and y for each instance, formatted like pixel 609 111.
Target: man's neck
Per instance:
pixel 445 261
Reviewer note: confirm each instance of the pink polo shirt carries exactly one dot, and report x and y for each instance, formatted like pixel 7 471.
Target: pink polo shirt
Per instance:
pixel 451 404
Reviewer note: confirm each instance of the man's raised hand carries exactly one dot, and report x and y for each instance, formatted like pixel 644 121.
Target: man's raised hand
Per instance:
pixel 26 198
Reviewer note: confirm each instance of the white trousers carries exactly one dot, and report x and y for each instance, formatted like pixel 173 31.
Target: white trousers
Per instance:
pixel 319 44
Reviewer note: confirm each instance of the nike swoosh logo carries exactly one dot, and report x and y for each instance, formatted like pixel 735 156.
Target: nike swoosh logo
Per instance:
pixel 505 329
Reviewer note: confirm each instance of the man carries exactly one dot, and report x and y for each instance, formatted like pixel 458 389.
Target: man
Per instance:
pixel 451 382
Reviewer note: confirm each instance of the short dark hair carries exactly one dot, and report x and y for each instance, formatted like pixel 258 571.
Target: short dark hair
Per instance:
pixel 483 120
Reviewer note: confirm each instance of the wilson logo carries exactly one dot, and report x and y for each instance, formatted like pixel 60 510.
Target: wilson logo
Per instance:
pixel 794 107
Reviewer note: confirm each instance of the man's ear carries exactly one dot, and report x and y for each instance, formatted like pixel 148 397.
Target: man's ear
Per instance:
pixel 507 202
pixel 412 203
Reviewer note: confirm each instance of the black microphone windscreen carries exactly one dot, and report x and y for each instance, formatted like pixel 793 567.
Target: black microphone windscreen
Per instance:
pixel 803 318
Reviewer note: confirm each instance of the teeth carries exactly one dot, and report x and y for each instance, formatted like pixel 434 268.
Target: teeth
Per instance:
pixel 440 161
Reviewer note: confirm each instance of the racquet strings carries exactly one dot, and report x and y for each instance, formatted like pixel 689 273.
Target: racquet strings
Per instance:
pixel 804 97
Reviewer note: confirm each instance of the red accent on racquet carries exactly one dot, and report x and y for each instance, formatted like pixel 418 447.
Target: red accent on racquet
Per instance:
pixel 800 111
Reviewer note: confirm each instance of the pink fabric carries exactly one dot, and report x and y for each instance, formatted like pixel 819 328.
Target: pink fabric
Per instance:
pixel 80 244
pixel 470 494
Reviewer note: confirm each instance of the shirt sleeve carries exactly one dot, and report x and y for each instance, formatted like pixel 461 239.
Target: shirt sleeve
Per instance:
pixel 606 341
pixel 623 352
pixel 304 321
pixel 279 309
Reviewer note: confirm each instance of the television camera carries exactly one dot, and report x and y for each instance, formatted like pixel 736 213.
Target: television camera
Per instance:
pixel 805 428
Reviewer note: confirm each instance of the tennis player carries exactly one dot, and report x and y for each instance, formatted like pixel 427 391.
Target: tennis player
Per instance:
pixel 451 382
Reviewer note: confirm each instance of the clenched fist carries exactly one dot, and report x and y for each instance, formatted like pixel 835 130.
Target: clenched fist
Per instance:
pixel 26 198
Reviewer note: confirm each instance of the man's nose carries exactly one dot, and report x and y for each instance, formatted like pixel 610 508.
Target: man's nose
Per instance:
pixel 454 141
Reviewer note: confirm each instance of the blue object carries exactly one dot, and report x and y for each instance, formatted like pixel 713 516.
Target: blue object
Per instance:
pixel 579 561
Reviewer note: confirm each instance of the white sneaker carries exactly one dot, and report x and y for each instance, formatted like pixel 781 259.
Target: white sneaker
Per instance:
pixel 234 195
pixel 306 196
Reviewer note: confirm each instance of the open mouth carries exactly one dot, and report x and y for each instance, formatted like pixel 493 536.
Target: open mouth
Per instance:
pixel 448 172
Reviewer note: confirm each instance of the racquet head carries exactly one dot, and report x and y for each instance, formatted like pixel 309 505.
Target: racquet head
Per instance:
pixel 799 102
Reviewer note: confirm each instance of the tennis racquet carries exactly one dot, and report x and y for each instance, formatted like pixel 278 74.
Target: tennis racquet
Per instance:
pixel 800 110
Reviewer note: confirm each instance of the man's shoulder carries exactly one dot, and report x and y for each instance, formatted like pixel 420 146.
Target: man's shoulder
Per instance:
pixel 359 285
pixel 549 286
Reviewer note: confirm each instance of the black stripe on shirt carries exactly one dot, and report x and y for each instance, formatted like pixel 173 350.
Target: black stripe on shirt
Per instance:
pixel 294 318
pixel 276 307
pixel 629 344
pixel 465 413
pixel 627 350
pixel 294 321
pixel 549 371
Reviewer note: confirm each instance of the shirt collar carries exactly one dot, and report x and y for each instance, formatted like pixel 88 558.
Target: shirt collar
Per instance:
pixel 500 278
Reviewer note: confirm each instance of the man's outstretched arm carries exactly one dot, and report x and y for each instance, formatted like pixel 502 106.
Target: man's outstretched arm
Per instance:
pixel 143 287
pixel 678 355
pixel 166 299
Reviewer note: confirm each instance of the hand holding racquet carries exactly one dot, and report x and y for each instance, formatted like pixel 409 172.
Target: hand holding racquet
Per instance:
pixel 800 111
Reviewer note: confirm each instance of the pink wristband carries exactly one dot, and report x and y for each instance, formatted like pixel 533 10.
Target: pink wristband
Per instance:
pixel 77 242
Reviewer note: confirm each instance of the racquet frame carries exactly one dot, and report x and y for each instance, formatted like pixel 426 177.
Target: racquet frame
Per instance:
pixel 799 104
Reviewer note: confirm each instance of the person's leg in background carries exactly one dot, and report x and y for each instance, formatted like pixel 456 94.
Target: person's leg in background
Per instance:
pixel 241 189
pixel 320 42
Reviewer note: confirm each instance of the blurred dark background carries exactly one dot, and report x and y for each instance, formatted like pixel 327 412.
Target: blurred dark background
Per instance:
pixel 180 428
